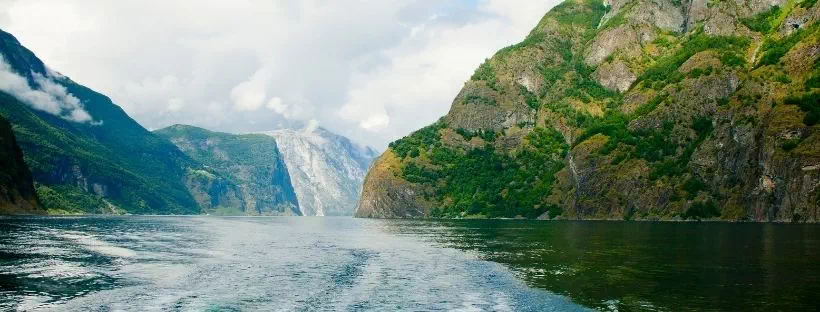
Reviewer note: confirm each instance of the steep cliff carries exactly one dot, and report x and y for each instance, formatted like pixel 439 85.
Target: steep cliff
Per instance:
pixel 17 194
pixel 326 169
pixel 258 182
pixel 630 109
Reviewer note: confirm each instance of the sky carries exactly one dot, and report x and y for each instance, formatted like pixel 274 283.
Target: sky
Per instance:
pixel 373 71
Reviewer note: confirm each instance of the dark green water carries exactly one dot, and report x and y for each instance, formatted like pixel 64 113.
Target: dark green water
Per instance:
pixel 648 266
pixel 345 264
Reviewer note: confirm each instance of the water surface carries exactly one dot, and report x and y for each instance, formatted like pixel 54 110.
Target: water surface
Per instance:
pixel 648 266
pixel 246 264
pixel 345 264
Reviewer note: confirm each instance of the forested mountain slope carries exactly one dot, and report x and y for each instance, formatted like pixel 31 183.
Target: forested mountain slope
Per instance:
pixel 630 109
pixel 251 162
pixel 17 195
pixel 86 154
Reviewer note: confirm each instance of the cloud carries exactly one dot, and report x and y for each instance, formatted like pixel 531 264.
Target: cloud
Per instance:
pixel 251 94
pixel 370 70
pixel 311 126
pixel 51 97
pixel 175 104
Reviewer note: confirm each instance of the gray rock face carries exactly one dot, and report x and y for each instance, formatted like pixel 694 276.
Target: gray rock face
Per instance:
pixel 327 170
pixel 387 196
pixel 501 113
pixel 608 42
pixel 615 76
pixel 661 13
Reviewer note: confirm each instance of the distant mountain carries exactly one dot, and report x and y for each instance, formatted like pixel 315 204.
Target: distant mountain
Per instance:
pixel 627 109
pixel 326 169
pixel 85 152
pixel 17 194
pixel 252 162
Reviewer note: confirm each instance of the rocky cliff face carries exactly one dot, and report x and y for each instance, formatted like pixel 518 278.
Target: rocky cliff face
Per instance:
pixel 326 169
pixel 17 195
pixel 256 181
pixel 629 109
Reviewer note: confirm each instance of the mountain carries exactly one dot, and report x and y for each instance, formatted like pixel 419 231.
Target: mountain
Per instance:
pixel 17 194
pixel 86 154
pixel 326 169
pixel 630 109
pixel 251 161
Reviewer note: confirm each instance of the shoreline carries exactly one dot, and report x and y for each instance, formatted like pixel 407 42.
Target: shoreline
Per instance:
pixel 613 220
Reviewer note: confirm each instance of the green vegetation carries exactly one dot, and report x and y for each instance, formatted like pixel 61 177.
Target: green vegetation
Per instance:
pixel 554 211
pixel 16 183
pixel 530 98
pixel 812 83
pixel 666 67
pixel 485 73
pixel 142 172
pixel 774 49
pixel 586 16
pixel 250 162
pixel 70 199
pixel 484 182
pixel 649 106
pixel 702 210
pixel 678 165
pixel 658 140
pixel 478 99
pixel 654 146
pixel 531 40
pixel 693 186
pixel 616 20
pixel 486 135
pixel 422 139
pixel 809 103
pixel 783 79
pixel 762 22
pixel 791 144
pixel 732 59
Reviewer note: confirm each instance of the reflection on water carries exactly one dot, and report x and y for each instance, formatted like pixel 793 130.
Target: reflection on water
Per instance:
pixel 647 266
pixel 245 264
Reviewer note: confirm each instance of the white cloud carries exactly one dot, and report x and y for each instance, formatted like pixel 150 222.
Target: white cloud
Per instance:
pixel 311 126
pixel 175 104
pixel 50 97
pixel 375 122
pixel 250 95
pixel 371 70
pixel 276 105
